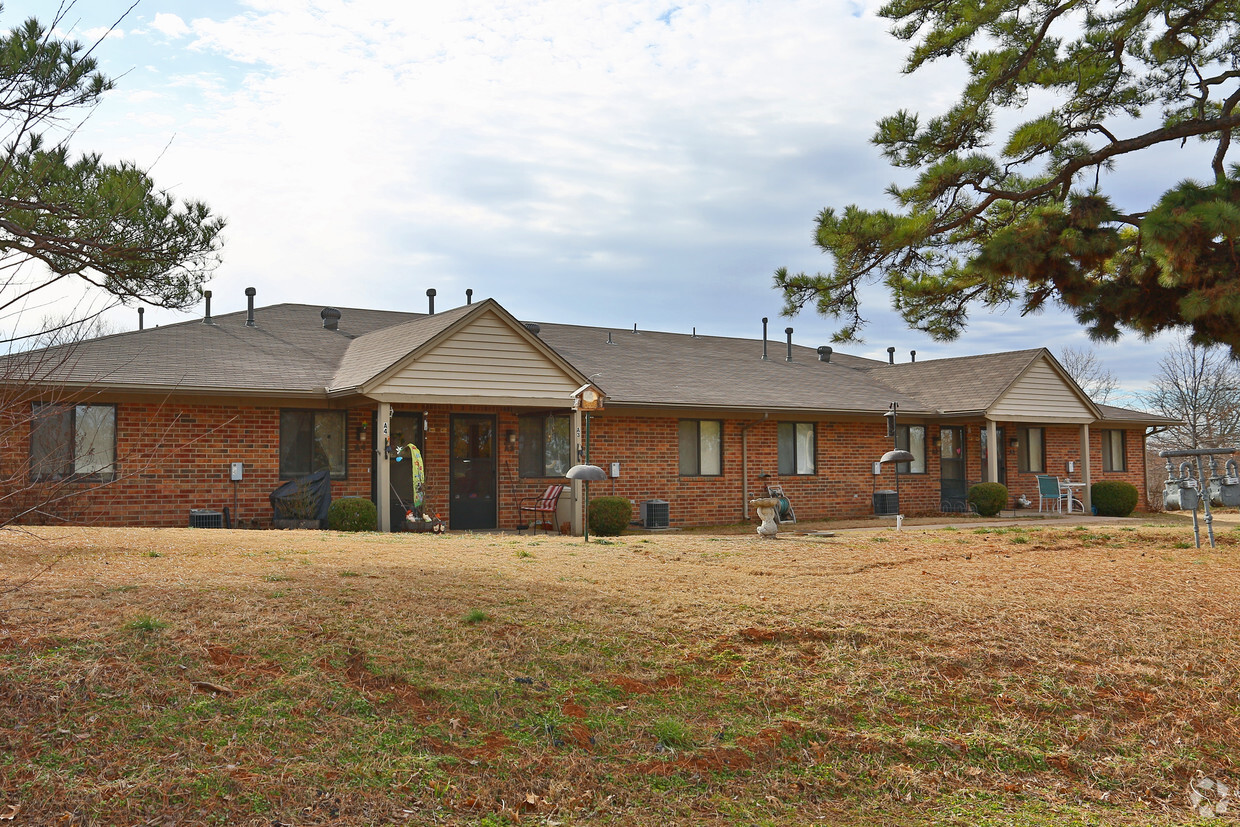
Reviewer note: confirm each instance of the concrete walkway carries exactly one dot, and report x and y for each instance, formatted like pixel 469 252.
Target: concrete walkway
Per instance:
pixel 1223 517
pixel 998 522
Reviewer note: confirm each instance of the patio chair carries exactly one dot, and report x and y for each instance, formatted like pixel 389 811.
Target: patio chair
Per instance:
pixel 1049 492
pixel 544 508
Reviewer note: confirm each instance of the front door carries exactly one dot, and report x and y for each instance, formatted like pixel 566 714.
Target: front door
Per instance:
pixel 1002 458
pixel 406 429
pixel 474 481
pixel 953 484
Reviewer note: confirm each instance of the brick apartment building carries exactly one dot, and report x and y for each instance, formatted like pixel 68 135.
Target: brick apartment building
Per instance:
pixel 139 428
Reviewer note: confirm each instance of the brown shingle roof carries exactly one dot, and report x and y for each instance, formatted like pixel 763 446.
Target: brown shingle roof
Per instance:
pixel 289 352
pixel 959 384
pixel 372 353
pixel 1110 412
pixel 676 369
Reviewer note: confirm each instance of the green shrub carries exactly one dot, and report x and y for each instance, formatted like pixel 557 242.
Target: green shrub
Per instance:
pixel 1114 498
pixel 988 498
pixel 671 733
pixel 610 515
pixel 352 514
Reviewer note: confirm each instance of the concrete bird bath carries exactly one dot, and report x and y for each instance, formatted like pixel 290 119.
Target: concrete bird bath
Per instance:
pixel 767 508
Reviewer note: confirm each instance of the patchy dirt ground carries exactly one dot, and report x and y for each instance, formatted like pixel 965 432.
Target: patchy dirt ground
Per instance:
pixel 1034 674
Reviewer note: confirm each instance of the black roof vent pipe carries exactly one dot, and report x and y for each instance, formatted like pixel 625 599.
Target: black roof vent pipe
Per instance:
pixel 206 317
pixel 824 353
pixel 764 321
pixel 788 331
pixel 912 355
pixel 469 296
pixel 141 310
pixel 534 328
pixel 609 341
pixel 249 315
pixel 330 317
pixel 430 297
pixel 891 355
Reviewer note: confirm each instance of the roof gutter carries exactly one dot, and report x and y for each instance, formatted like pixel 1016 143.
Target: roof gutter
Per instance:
pixel 189 390
pixel 766 409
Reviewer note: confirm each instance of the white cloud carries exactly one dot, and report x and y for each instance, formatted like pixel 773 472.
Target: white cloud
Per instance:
pixel 169 25
pixel 99 32
pixel 602 162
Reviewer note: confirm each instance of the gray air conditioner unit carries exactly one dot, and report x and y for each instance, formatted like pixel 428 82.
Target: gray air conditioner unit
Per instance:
pixel 656 513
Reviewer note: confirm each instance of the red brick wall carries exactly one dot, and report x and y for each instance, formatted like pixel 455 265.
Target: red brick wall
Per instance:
pixel 1063 443
pixel 843 485
pixel 174 456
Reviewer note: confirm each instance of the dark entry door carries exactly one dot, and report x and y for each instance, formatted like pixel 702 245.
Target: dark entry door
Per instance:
pixel 406 429
pixel 474 482
pixel 953 485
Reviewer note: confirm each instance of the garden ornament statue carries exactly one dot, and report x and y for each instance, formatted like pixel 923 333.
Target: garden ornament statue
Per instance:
pixel 767 509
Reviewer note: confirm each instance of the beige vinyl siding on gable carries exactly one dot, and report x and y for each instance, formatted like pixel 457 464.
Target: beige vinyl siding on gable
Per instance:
pixel 486 358
pixel 1040 395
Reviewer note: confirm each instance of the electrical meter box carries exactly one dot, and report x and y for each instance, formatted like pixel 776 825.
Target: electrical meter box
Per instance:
pixel 235 471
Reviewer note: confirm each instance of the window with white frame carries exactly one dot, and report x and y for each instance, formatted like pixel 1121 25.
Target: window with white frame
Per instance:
pixel 72 441
pixel 701 447
pixel 797 443
pixel 912 438
pixel 1031 456
pixel 1113 455
pixel 546 445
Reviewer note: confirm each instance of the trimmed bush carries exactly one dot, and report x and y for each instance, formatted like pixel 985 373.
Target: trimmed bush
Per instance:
pixel 352 514
pixel 988 498
pixel 609 516
pixel 1114 498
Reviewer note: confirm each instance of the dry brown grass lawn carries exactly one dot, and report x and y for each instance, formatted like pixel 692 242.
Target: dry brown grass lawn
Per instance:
pixel 1032 675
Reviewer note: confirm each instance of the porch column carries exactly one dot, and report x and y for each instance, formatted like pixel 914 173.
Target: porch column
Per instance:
pixel 575 485
pixel 383 469
pixel 992 451
pixel 1086 499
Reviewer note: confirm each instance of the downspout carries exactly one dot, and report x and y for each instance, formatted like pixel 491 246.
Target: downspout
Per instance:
pixel 745 463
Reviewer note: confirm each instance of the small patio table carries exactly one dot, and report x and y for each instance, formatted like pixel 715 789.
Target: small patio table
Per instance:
pixel 1069 490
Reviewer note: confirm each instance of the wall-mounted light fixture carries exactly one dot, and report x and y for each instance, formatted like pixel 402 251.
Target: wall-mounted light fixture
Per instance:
pixel 511 438
pixel 1014 441
pixel 361 432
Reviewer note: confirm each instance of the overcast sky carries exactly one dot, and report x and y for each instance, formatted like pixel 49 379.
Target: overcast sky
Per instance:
pixel 599 163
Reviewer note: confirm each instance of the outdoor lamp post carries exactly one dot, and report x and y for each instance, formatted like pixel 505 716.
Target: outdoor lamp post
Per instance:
pixel 895 446
pixel 587 398
pixel 897 456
